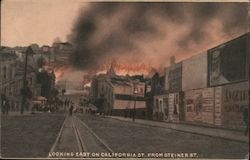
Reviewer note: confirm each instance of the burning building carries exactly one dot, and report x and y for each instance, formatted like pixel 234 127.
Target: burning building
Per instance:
pixel 118 95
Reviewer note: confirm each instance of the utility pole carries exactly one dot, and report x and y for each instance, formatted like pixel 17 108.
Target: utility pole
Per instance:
pixel 24 89
pixel 135 92
pixel 25 82
pixel 134 108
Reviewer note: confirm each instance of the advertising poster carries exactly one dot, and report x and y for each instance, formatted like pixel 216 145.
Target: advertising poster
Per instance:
pixel 193 105
pixel 208 105
pixel 218 106
pixel 199 105
pixel 124 79
pixel 235 99
pixel 226 60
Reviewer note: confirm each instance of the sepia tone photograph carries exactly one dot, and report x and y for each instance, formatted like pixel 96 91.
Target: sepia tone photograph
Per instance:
pixel 125 79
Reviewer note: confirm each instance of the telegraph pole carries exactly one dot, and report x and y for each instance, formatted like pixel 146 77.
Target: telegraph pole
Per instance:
pixel 25 82
pixel 134 108
pixel 24 89
pixel 135 92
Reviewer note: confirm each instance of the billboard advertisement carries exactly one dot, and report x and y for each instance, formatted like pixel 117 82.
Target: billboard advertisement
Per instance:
pixel 207 111
pixel 228 62
pixel 217 106
pixel 194 72
pixel 161 109
pixel 176 111
pixel 235 98
pixel 199 105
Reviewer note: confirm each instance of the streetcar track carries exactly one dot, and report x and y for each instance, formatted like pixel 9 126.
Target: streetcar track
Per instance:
pixel 106 147
pixel 76 123
pixel 80 143
pixel 57 138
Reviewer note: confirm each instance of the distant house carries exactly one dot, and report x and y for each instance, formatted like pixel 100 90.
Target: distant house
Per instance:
pixel 45 48
pixel 7 71
pixel 11 77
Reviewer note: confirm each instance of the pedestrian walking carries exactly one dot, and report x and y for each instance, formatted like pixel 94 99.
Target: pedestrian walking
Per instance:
pixel 71 109
pixel 246 119
pixel 65 102
pixel 3 101
pixel 7 106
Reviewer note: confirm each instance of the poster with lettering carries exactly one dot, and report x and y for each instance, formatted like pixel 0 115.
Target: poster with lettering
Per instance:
pixel 193 105
pixel 208 105
pixel 124 79
pixel 218 106
pixel 235 98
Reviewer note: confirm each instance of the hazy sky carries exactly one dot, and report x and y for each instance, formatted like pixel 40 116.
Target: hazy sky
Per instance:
pixel 37 21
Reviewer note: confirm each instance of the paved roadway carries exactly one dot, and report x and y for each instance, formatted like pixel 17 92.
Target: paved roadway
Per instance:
pixel 123 136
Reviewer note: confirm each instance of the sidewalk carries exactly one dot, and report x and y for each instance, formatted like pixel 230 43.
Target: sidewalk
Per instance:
pixel 208 131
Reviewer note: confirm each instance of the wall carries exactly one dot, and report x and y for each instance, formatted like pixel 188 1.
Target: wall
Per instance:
pixel 194 72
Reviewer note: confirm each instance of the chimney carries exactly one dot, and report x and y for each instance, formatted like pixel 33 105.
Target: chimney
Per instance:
pixel 172 60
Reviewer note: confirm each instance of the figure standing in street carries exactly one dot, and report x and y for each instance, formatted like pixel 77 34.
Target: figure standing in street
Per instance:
pixel 7 106
pixel 71 109
pixel 246 119
pixel 3 101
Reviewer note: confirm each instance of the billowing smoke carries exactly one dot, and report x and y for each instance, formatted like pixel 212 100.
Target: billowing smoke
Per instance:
pixel 150 33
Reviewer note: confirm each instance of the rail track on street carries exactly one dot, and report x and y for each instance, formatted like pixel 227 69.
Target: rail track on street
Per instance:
pixel 101 143
pixel 76 136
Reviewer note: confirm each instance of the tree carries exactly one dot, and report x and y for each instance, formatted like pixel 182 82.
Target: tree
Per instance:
pixel 43 78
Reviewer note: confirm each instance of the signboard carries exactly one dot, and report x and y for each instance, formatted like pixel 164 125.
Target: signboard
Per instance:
pixel 199 105
pixel 173 103
pixel 193 104
pixel 228 62
pixel 208 105
pixel 139 89
pixel 217 106
pixel 235 98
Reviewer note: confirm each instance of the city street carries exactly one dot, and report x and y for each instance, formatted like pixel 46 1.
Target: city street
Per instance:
pixel 131 137
pixel 151 80
pixel 85 133
pixel 30 135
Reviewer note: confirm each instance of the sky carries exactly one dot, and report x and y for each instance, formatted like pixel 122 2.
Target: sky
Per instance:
pixel 138 33
pixel 37 21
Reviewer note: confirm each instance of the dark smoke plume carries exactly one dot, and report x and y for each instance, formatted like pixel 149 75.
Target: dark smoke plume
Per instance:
pixel 152 32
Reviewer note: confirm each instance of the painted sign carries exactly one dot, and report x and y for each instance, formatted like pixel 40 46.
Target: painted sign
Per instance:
pixel 199 105
pixel 173 103
pixel 217 106
pixel 228 62
pixel 208 105
pixel 193 105
pixel 235 98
